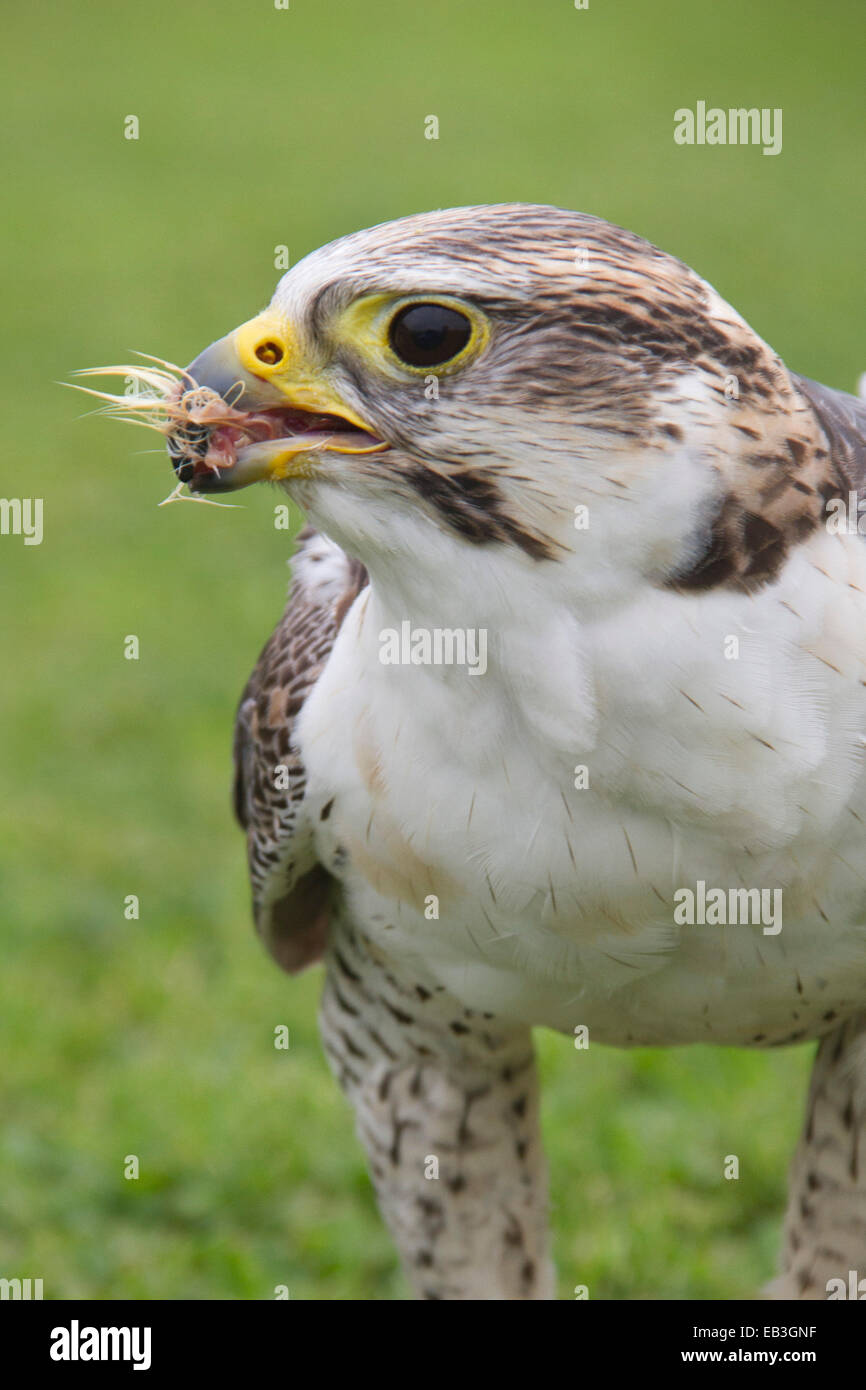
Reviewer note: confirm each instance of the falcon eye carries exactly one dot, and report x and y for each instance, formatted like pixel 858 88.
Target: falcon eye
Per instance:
pixel 428 335
pixel 270 353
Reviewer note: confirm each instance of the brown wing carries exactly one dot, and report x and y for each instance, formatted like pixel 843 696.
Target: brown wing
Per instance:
pixel 290 888
pixel 843 420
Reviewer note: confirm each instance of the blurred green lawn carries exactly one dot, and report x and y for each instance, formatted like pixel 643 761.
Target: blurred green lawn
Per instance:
pixel 155 1037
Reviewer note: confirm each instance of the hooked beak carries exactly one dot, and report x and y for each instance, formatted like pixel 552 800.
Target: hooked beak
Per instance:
pixel 280 412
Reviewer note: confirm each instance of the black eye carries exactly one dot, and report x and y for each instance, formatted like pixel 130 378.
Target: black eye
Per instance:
pixel 426 335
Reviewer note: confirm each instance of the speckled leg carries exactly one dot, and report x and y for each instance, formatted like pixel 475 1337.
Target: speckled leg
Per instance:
pixel 825 1228
pixel 437 1087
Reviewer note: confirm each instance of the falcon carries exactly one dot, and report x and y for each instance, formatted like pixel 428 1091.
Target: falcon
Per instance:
pixel 524 424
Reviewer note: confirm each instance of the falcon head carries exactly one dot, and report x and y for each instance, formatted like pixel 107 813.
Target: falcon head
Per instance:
pixel 511 376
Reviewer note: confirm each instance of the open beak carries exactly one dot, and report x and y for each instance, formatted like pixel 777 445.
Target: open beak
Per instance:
pixel 256 410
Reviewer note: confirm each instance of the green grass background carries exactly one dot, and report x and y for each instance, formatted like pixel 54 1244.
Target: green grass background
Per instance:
pixel 155 1037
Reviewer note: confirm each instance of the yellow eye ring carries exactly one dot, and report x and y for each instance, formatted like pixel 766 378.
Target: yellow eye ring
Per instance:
pixel 382 326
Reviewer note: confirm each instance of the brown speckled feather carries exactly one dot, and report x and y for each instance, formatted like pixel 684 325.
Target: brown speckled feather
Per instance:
pixel 290 889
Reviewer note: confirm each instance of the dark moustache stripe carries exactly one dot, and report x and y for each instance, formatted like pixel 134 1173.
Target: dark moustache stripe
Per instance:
pixel 471 504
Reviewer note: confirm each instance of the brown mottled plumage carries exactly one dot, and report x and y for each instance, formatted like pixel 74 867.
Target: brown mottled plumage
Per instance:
pixel 626 490
pixel 290 888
